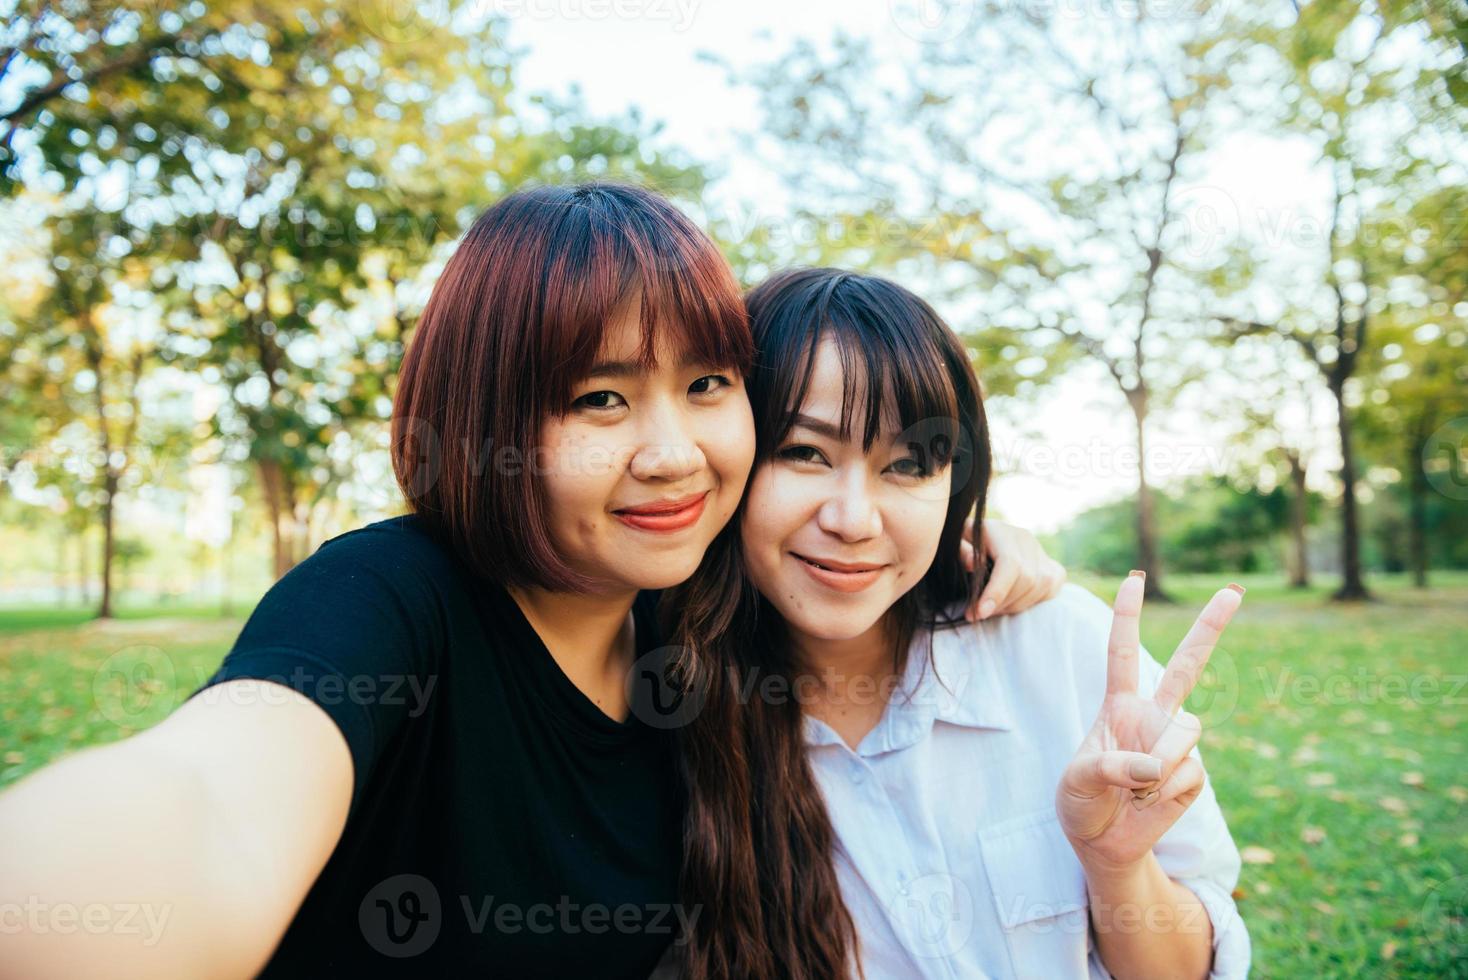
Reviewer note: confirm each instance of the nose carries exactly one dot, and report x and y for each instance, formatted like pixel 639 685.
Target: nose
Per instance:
pixel 851 513
pixel 668 449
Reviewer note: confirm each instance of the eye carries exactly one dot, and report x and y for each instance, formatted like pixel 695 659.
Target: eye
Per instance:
pixel 710 383
pixel 802 454
pixel 910 467
pixel 599 401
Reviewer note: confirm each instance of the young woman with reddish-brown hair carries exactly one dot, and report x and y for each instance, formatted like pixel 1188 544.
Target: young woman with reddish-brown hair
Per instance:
pixel 419 757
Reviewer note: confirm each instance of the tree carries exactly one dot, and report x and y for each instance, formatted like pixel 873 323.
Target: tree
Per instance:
pixel 94 332
pixel 1271 402
pixel 284 176
pixel 1041 168
pixel 1419 385
pixel 1347 72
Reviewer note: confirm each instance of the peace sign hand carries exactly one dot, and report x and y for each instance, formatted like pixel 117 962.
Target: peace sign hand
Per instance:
pixel 1132 777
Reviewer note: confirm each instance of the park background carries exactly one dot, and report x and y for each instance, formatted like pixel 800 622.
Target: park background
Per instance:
pixel 1211 260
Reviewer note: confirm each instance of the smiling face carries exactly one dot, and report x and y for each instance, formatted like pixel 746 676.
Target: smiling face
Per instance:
pixel 645 466
pixel 834 534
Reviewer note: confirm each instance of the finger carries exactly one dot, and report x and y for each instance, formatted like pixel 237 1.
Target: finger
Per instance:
pixel 968 529
pixel 1024 594
pixel 1125 641
pixel 966 554
pixel 1191 656
pixel 1091 775
pixel 1184 730
pixel 1055 578
pixel 1045 584
pixel 1182 787
pixel 996 590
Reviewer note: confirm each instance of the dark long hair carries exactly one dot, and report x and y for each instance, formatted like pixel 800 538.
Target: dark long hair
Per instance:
pixel 514 322
pixel 757 840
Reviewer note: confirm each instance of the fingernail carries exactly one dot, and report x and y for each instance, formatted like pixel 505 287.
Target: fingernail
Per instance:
pixel 1146 801
pixel 986 609
pixel 1137 572
pixel 1237 587
pixel 1147 769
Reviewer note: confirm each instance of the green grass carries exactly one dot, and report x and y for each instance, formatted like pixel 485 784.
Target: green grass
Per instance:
pixel 1334 737
pixel 20 619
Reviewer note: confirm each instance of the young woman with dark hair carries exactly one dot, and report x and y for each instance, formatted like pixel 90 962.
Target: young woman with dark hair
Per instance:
pixel 877 785
pixel 419 757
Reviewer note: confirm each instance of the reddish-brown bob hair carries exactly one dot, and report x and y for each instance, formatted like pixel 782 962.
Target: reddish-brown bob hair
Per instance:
pixel 513 324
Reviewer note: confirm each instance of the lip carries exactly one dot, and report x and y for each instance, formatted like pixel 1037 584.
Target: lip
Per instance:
pixel 840 576
pixel 665 515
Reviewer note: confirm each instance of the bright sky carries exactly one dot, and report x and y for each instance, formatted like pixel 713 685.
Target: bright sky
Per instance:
pixel 1059 457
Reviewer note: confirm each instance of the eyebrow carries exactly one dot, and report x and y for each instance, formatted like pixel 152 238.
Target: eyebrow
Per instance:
pixel 632 369
pixel 820 427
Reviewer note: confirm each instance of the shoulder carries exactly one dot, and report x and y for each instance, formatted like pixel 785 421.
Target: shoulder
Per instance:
pixel 1073 617
pixel 382 584
pixel 402 540
pixel 1055 646
pixel 396 555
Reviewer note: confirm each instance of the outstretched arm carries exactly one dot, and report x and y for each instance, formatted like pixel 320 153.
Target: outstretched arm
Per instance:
pixel 183 851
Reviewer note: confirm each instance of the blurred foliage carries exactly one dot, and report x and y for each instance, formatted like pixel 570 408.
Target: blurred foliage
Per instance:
pixel 222 221
pixel 252 194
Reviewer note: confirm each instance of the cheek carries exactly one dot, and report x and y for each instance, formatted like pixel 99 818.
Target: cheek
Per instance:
pixel 770 516
pixel 781 502
pixel 729 444
pixel 759 523
pixel 917 529
pixel 579 472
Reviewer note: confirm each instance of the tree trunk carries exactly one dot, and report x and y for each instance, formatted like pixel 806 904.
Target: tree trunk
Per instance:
pixel 1417 513
pixel 1299 554
pixel 280 502
pixel 83 569
pixel 1353 587
pixel 1147 557
pixel 63 591
pixel 109 543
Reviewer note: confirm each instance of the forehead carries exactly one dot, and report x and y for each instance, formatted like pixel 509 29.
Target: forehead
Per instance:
pixel 625 342
pixel 834 389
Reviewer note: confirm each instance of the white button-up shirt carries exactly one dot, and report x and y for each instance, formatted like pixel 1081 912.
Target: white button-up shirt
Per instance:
pixel 949 850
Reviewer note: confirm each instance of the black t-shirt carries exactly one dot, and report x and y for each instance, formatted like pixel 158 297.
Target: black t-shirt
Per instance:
pixel 501 824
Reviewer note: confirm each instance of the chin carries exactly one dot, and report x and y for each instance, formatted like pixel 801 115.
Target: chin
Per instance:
pixel 832 623
pixel 661 574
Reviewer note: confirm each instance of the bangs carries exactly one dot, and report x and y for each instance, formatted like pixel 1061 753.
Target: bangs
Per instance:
pixel 607 250
pixel 896 375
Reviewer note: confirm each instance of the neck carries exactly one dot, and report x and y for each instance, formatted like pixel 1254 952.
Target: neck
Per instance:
pixel 853 679
pixel 589 636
